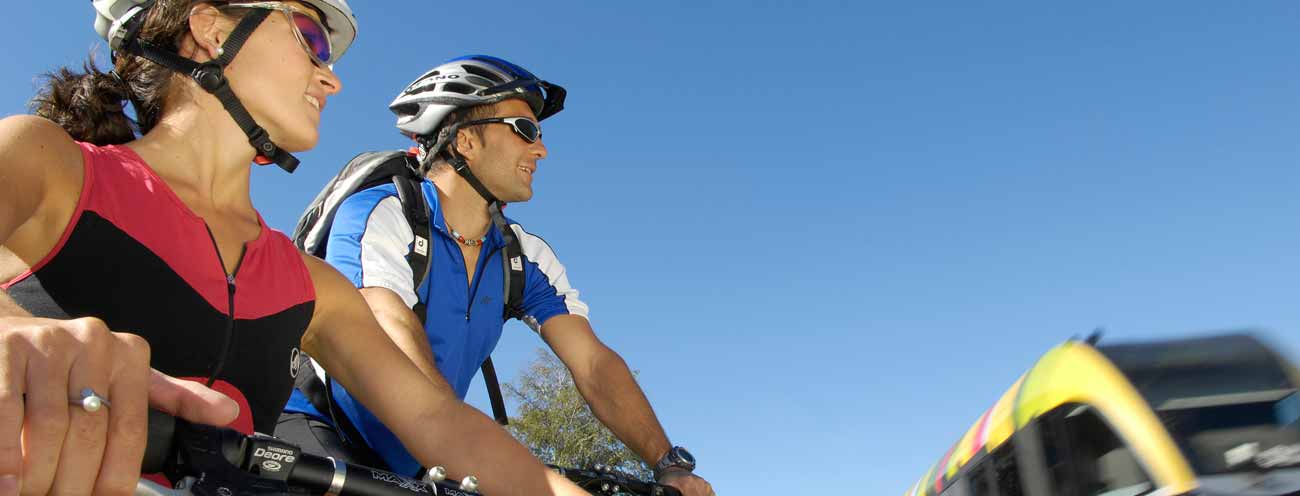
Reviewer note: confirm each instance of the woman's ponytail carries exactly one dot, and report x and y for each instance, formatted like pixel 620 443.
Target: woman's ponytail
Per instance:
pixel 89 105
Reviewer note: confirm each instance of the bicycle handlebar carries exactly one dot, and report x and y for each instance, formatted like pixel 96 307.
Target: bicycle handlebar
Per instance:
pixel 223 462
pixel 605 481
pixel 215 461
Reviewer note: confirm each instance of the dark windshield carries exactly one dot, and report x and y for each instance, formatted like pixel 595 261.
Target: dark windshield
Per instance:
pixel 1229 401
pixel 1240 436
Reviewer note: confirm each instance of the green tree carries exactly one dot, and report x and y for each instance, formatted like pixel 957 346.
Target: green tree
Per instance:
pixel 557 425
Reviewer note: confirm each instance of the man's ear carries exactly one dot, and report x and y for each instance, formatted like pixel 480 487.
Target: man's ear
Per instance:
pixel 468 144
pixel 203 42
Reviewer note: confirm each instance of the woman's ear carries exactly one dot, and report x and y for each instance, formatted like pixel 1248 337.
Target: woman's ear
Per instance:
pixel 206 34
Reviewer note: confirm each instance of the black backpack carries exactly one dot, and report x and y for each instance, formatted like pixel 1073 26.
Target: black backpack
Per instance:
pixel 368 170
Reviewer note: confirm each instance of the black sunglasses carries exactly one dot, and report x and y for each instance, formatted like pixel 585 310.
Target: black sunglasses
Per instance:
pixel 527 129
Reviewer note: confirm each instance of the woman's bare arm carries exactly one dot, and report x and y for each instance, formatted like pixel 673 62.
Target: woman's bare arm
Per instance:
pixel 431 421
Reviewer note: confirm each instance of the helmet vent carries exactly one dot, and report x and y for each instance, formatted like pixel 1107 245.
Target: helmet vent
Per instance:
pixel 406 109
pixel 461 88
pixel 481 72
pixel 478 81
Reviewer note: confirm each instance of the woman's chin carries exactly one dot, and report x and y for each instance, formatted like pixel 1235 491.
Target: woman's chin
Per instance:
pixel 300 143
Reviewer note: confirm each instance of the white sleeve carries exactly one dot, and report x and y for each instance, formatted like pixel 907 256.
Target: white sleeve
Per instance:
pixel 384 246
pixel 548 292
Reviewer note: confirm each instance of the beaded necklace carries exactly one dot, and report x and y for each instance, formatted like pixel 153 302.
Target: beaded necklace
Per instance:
pixel 461 239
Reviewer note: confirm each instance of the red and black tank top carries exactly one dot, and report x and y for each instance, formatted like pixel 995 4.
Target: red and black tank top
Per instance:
pixel 134 256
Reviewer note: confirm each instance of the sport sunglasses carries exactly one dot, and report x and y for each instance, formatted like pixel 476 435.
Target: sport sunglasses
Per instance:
pixel 311 34
pixel 527 129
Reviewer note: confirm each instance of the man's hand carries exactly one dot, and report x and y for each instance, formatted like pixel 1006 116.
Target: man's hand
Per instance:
pixel 689 484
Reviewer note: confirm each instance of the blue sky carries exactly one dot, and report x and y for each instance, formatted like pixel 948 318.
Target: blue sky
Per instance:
pixel 830 234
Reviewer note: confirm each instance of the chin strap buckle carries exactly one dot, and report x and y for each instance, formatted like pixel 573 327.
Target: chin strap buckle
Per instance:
pixel 209 76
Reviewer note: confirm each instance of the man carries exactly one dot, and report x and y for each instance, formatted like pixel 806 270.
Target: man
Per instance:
pixel 475 119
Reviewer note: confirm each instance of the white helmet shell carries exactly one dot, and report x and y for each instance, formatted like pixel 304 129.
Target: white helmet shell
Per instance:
pixel 423 105
pixel 111 16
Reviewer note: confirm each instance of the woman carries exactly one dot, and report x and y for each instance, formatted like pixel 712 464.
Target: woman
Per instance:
pixel 112 247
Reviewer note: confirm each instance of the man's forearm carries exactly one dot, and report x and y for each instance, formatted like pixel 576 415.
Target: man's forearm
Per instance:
pixel 410 339
pixel 480 442
pixel 619 403
pixel 403 327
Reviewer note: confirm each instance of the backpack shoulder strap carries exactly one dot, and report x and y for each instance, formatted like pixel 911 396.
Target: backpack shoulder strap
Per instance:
pixel 494 392
pixel 416 209
pixel 512 260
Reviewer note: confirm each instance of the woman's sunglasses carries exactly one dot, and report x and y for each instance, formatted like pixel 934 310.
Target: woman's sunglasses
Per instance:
pixel 311 34
pixel 527 129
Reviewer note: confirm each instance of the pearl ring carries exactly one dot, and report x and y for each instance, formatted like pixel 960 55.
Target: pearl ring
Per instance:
pixel 91 402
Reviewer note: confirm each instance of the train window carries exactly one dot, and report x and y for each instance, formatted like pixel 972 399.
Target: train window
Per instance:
pixel 981 480
pixel 1056 457
pixel 1005 470
pixel 960 487
pixel 1100 464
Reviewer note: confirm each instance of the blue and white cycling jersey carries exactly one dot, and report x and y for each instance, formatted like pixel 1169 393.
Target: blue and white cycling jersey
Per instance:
pixel 368 242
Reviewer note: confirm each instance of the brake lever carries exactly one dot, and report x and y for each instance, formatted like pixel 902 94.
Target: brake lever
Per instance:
pixel 147 487
pixel 606 481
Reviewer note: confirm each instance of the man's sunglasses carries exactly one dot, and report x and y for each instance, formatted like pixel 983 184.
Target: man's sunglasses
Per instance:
pixel 311 34
pixel 527 129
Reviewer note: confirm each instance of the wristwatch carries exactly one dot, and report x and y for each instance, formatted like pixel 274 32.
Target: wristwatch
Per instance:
pixel 677 457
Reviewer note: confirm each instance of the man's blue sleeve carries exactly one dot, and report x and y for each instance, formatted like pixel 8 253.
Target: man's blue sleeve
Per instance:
pixel 547 292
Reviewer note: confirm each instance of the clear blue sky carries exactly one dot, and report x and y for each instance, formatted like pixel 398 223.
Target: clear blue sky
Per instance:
pixel 830 234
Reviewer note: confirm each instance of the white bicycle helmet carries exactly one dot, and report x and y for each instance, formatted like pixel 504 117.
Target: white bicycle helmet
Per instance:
pixel 112 15
pixel 466 82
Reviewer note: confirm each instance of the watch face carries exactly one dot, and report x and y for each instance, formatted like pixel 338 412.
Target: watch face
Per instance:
pixel 684 455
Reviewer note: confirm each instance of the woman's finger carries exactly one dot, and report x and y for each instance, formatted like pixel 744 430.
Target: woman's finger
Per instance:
pixel 50 356
pixel 13 364
pixel 190 400
pixel 128 417
pixel 89 377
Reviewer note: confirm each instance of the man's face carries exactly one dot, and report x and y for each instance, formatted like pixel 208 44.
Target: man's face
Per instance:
pixel 506 162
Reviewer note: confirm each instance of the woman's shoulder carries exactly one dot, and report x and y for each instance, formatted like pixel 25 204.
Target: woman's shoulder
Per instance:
pixel 43 176
pixel 35 134
pixel 36 146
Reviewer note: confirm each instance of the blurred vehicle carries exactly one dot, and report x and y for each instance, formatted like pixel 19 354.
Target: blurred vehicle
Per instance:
pixel 1205 416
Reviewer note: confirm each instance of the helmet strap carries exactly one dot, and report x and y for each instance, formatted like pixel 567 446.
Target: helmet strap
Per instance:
pixel 211 77
pixel 461 167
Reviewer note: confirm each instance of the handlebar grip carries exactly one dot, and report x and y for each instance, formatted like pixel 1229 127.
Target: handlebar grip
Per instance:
pixel 158 447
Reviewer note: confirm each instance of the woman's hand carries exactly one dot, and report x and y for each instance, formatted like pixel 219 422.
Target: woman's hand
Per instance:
pixel 49 443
